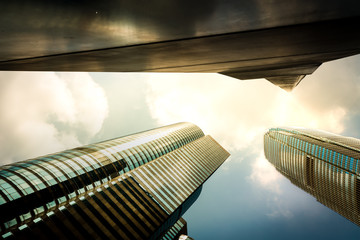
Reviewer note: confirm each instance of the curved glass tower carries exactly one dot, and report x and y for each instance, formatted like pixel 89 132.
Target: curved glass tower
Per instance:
pixel 133 187
pixel 323 164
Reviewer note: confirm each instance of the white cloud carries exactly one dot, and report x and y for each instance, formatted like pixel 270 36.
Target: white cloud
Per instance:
pixel 294 111
pixel 334 84
pixel 46 112
pixel 264 174
pixel 228 109
pixel 271 186
pixel 331 94
pixel 236 113
pixel 278 209
pixel 89 102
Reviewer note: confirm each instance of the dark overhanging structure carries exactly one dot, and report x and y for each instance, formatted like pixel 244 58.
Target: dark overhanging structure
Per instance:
pixel 282 41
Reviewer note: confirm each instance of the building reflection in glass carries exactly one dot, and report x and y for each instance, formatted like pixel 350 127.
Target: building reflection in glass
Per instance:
pixel 323 164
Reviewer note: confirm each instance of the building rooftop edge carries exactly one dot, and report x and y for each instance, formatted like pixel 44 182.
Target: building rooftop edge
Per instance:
pixel 297 130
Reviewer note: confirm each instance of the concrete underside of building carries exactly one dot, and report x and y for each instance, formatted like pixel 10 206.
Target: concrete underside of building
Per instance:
pixel 282 41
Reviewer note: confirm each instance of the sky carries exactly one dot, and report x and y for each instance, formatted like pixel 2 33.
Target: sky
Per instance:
pixel 45 112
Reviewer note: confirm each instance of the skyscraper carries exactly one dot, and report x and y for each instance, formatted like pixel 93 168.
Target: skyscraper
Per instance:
pixel 133 187
pixel 323 164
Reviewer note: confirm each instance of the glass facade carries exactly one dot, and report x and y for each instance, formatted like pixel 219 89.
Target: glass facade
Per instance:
pixel 133 187
pixel 323 164
pixel 178 229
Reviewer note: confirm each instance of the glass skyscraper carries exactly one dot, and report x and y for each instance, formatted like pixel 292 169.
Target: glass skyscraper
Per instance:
pixel 323 164
pixel 133 187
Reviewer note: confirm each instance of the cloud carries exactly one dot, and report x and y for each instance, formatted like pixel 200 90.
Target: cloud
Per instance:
pixel 332 91
pixel 237 113
pixel 228 109
pixel 128 111
pixel 267 178
pixel 265 175
pixel 46 112
pixel 277 208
